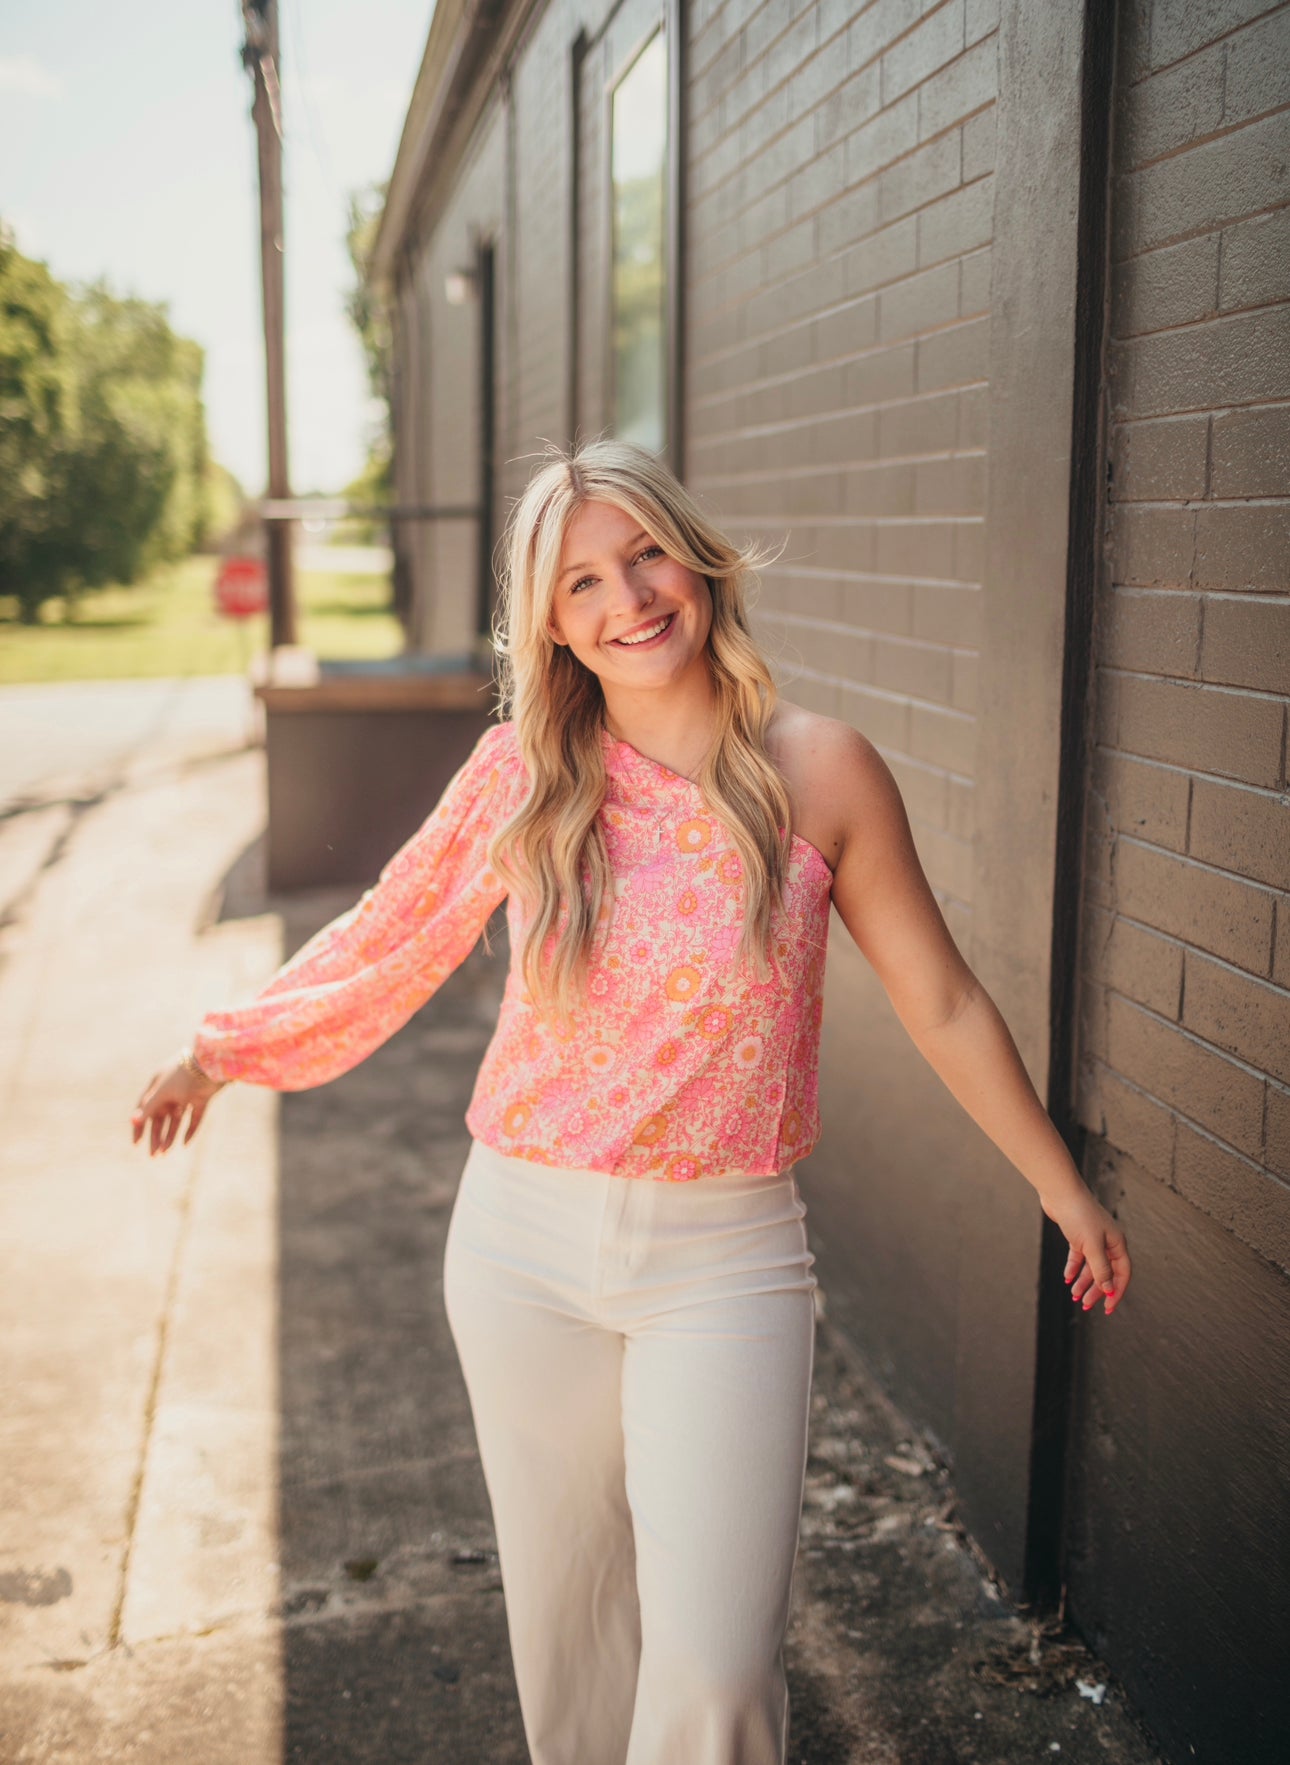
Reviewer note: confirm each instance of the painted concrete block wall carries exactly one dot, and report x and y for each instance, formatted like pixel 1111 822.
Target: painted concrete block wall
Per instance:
pixel 1187 935
pixel 841 204
pixel 839 224
pixel 1178 1503
pixel 538 296
pixel 475 213
pixel 538 323
pixel 437 458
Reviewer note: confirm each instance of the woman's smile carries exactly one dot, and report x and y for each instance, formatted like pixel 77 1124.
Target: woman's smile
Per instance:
pixel 646 636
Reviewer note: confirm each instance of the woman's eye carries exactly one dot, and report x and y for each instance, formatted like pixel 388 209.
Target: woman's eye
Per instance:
pixel 650 551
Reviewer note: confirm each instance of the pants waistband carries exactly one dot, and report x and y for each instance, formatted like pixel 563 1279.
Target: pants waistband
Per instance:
pixel 593 1234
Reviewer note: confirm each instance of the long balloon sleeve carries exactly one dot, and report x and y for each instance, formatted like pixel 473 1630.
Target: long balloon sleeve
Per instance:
pixel 362 977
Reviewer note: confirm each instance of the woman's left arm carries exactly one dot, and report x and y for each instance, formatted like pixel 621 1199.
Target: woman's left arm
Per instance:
pixel 887 905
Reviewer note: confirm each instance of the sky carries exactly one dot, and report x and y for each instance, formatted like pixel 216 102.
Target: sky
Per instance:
pixel 127 152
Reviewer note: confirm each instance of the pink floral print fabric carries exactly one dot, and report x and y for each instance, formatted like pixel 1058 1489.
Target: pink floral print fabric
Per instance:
pixel 680 1063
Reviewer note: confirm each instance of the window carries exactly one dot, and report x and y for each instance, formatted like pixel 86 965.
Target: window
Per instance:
pixel 638 280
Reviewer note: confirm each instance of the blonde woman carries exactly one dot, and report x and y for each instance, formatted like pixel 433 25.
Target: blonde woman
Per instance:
pixel 627 1275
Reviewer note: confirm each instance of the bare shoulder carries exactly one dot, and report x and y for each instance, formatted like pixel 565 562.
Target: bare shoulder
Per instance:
pixel 837 780
pixel 804 742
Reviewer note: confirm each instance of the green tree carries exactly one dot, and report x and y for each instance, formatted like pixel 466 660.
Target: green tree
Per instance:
pixel 137 478
pixel 104 468
pixel 38 420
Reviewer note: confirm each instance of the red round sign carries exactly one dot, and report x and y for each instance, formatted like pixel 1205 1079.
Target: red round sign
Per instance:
pixel 242 588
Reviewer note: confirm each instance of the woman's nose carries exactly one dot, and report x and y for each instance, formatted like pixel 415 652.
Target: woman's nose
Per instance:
pixel 632 590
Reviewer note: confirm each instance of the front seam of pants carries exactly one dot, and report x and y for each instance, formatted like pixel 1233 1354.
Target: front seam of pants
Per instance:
pixel 605 1235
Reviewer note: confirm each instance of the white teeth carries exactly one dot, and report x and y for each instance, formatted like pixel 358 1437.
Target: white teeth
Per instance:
pixel 644 636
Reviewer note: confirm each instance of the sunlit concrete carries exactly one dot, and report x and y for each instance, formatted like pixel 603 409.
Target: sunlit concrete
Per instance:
pixel 138 1445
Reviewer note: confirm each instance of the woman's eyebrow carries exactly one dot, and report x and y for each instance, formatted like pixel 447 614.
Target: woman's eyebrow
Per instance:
pixel 569 568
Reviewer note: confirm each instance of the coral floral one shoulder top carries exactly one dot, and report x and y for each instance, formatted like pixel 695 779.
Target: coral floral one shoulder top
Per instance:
pixel 679 1064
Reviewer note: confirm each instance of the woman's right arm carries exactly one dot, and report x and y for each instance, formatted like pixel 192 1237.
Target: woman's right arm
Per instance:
pixel 363 976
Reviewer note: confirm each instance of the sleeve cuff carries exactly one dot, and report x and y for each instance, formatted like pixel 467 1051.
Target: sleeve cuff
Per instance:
pixel 207 1057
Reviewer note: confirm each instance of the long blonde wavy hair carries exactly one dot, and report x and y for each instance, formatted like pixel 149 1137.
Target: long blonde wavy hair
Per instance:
pixel 552 851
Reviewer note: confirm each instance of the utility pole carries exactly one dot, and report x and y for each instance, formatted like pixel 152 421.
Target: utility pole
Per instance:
pixel 261 59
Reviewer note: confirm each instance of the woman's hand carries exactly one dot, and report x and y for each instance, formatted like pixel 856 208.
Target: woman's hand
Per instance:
pixel 1098 1264
pixel 168 1095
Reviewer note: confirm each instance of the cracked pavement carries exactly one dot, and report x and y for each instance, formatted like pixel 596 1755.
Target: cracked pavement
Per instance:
pixel 244 1520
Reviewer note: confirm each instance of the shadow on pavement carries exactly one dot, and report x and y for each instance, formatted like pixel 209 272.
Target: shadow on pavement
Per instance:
pixel 394 1631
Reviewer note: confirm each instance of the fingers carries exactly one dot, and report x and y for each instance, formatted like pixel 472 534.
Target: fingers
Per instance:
pixel 139 1119
pixel 1080 1273
pixel 166 1100
pixel 1085 1289
pixel 1121 1268
pixel 161 1122
pixel 1103 1273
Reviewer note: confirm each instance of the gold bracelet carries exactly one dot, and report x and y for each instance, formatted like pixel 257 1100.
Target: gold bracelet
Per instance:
pixel 188 1060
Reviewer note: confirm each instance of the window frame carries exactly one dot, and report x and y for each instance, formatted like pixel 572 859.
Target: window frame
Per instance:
pixel 628 63
pixel 667 16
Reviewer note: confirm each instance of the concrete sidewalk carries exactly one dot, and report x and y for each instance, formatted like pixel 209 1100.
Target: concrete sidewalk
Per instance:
pixel 243 1517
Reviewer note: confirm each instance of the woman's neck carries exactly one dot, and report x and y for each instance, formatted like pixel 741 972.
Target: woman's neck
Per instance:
pixel 676 728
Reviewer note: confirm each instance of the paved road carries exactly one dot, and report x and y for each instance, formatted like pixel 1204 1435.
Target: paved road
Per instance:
pixel 71 737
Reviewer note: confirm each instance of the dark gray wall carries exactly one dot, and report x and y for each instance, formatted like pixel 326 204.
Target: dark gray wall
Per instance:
pixel 1179 1563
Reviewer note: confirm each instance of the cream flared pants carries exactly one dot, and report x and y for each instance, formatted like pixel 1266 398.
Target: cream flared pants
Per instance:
pixel 638 1356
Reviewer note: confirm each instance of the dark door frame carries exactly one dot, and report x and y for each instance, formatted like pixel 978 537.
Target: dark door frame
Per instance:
pixel 486 292
pixel 1055 1340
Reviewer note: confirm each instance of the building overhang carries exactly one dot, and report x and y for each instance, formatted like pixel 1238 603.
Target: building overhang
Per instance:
pixel 469 45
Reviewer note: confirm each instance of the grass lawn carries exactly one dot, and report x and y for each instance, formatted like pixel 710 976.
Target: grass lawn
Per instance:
pixel 168 625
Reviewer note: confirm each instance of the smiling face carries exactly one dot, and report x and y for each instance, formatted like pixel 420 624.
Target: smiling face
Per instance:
pixel 627 611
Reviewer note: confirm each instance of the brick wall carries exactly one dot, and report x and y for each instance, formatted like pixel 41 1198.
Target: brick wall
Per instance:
pixel 1186 942
pixel 840 220
pixel 840 197
pixel 1176 1518
pixel 535 389
pixel 443 465
pixel 534 288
